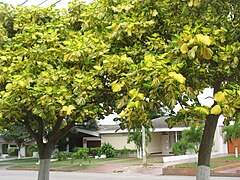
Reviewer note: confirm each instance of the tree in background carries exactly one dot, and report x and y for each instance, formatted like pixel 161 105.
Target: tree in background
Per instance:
pixel 190 140
pixel 16 133
pixel 135 136
pixel 231 134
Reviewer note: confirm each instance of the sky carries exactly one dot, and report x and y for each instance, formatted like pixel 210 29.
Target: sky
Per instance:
pixel 206 98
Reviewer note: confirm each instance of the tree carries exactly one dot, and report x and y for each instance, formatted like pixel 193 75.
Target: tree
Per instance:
pixel 135 136
pixel 48 74
pixel 189 141
pixel 167 52
pixel 17 134
pixel 231 134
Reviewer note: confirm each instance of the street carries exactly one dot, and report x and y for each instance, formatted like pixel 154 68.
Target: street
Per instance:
pixel 32 175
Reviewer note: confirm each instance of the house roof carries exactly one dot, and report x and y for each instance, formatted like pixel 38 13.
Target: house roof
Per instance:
pixel 159 125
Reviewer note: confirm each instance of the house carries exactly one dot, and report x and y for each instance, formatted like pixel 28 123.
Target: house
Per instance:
pixel 163 138
pixel 78 138
pixel 162 142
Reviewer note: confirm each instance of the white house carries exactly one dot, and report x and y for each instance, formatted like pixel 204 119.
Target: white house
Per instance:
pixel 163 138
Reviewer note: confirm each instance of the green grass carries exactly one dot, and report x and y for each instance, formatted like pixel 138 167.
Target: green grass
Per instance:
pixel 25 160
pixel 4 165
pixel 215 162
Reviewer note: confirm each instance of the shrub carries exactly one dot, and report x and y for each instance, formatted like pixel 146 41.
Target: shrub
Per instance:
pixel 33 148
pixel 82 154
pixel 125 152
pixel 108 150
pixel 11 151
pixel 95 151
pixel 63 155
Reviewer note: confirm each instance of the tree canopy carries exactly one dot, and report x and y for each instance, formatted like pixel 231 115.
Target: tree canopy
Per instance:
pixel 49 77
pixel 126 56
pixel 164 53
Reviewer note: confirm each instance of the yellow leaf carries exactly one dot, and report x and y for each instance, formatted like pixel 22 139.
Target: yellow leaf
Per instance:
pixel 122 114
pixel 192 52
pixel 196 2
pixel 129 31
pixel 133 92
pixel 190 3
pixel 219 97
pixel 204 39
pixel 116 87
pixel 137 104
pixel 97 68
pixel 49 89
pixel 68 109
pixel 148 57
pixel 216 110
pixel 4 58
pixel 177 77
pixel 202 110
pixel 141 96
pixel 131 104
pixel 184 48
pixel 206 53
pixel 154 12
pixel 9 86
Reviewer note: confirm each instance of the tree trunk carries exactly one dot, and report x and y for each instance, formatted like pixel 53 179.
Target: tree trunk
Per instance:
pixel 204 156
pixel 45 152
pixel 44 169
pixel 144 146
pixel 236 150
pixel 19 153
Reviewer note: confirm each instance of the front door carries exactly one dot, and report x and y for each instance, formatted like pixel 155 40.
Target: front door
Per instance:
pixel 165 143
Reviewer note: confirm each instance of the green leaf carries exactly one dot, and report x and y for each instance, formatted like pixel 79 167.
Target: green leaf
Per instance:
pixel 216 110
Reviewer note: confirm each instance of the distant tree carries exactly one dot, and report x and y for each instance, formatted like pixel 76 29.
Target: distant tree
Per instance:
pixel 17 134
pixel 136 137
pixel 190 141
pixel 231 134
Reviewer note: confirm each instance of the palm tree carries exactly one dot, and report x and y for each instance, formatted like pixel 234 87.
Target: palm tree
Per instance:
pixel 232 133
pixel 193 137
pixel 136 138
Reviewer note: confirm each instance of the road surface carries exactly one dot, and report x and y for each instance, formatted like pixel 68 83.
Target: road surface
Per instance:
pixel 32 175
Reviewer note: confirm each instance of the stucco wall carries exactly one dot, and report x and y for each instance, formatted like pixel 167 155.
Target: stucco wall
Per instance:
pixel 156 144
pixel 117 140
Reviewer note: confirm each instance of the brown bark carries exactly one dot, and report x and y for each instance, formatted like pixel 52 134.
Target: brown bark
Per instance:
pixel 205 148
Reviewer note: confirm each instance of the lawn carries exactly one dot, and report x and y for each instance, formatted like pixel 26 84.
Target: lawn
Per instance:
pixel 215 162
pixel 67 165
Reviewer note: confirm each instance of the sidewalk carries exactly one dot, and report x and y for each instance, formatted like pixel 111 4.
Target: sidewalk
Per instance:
pixel 155 168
